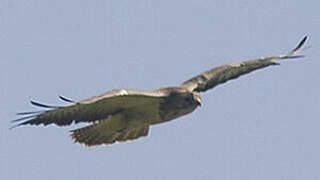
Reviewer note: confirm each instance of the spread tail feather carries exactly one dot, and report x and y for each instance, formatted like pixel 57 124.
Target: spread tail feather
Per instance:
pixel 98 133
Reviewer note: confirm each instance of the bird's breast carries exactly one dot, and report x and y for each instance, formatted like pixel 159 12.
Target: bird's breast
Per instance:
pixel 157 112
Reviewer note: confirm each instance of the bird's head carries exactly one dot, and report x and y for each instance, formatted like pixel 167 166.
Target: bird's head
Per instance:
pixel 184 98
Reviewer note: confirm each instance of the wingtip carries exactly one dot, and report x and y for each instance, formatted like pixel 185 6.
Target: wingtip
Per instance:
pixel 14 126
pixel 305 37
pixel 302 42
pixel 29 112
pixel 294 53
pixel 19 124
pixel 300 45
pixel 43 105
pixel 66 99
pixel 24 118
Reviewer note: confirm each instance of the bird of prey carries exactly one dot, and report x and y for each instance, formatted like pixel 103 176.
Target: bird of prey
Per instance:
pixel 123 114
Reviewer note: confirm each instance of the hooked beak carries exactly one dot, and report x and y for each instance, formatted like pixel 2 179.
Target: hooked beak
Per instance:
pixel 197 98
pixel 198 101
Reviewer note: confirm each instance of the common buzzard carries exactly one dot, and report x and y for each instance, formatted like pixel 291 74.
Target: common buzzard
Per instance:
pixel 121 115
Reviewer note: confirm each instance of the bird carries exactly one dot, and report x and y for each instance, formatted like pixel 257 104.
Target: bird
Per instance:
pixel 125 114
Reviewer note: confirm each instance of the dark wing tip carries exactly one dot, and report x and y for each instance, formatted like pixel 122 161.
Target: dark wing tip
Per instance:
pixel 24 118
pixel 294 52
pixel 300 44
pixel 42 105
pixel 27 118
pixel 14 126
pixel 30 112
pixel 36 118
pixel 66 99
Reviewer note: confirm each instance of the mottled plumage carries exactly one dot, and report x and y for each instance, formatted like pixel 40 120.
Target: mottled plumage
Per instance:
pixel 121 115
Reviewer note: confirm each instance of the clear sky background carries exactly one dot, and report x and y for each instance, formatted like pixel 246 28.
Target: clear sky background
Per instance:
pixel 262 126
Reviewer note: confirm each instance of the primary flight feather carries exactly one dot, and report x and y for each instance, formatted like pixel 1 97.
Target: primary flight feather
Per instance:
pixel 121 115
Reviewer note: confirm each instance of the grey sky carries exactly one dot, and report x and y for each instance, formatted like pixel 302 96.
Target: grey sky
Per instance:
pixel 262 126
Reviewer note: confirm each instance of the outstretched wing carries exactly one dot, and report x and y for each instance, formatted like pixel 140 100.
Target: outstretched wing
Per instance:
pixel 222 74
pixel 108 131
pixel 90 110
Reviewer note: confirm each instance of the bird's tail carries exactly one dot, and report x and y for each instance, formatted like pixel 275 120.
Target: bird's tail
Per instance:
pixel 105 132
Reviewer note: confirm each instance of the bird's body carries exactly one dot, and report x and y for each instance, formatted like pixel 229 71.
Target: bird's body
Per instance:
pixel 121 115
